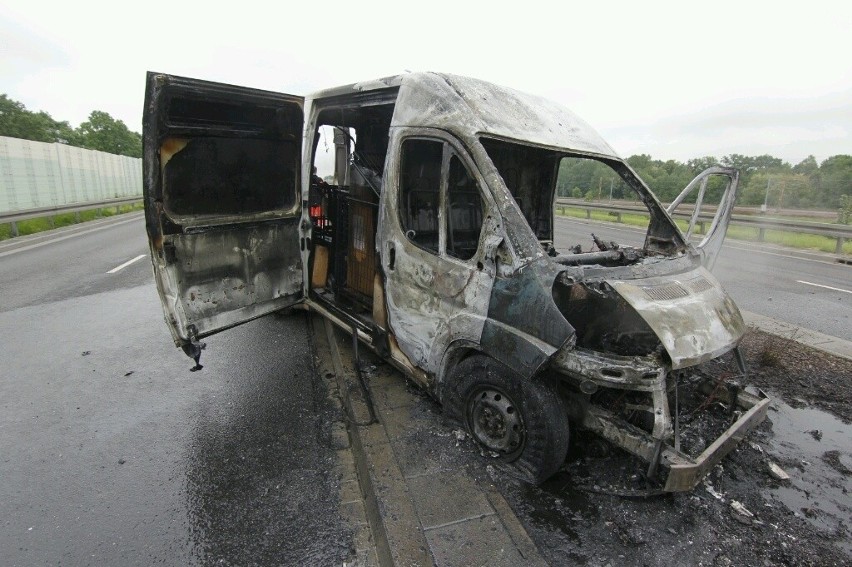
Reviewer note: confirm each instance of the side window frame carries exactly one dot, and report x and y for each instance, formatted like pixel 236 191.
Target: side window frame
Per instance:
pixel 449 149
pixel 450 153
pixel 401 213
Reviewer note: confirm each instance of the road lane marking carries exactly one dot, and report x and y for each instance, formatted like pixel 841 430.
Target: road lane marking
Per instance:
pixel 127 263
pixel 825 286
pixel 67 236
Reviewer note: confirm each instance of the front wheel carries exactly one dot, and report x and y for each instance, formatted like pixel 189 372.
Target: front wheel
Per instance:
pixel 523 421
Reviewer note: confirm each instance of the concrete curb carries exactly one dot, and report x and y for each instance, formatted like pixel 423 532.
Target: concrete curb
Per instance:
pixel 420 511
pixel 814 339
pixel 369 545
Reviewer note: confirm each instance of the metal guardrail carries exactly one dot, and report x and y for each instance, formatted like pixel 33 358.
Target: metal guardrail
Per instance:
pixel 840 232
pixel 13 217
pixel 837 231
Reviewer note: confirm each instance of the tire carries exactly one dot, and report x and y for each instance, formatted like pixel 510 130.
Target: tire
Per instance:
pixel 524 421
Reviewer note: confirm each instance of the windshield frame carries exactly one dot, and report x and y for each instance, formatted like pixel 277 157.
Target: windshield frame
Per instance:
pixel 663 236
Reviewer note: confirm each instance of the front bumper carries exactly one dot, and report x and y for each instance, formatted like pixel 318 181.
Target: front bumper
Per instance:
pixel 683 472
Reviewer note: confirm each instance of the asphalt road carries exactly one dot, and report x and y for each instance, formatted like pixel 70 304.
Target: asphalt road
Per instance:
pixel 113 453
pixel 807 289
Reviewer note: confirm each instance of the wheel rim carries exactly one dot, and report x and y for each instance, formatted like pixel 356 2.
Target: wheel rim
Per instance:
pixel 495 421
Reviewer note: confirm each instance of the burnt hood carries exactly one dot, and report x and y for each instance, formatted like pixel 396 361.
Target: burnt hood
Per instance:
pixel 691 314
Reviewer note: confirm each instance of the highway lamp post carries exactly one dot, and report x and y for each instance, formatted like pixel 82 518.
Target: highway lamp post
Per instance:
pixel 766 197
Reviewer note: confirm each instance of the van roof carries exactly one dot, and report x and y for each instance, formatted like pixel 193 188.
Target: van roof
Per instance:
pixel 470 108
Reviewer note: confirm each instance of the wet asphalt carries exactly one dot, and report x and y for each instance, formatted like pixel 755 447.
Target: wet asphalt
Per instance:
pixel 113 453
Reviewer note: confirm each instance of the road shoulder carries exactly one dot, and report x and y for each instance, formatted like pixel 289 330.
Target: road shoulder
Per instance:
pixel 423 505
pixel 807 337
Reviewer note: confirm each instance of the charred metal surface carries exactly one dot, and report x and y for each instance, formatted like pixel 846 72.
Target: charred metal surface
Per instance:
pixel 694 319
pixel 642 374
pixel 524 326
pixel 683 471
pixel 227 274
pixel 468 107
pixel 711 244
pixel 228 185
pixel 433 300
pixel 221 182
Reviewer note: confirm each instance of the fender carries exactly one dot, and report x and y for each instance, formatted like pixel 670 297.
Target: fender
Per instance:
pixel 525 354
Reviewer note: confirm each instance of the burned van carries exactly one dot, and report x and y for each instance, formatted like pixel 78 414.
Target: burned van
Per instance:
pixel 433 244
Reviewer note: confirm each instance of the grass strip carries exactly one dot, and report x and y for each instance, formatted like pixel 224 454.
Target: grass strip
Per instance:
pixel 32 226
pixel 798 240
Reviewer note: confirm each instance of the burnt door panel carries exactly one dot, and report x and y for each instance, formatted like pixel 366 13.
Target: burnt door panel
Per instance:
pixel 222 208
pixel 728 179
pixel 437 279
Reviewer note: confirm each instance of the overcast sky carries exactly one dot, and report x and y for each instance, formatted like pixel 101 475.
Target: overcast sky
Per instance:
pixel 670 79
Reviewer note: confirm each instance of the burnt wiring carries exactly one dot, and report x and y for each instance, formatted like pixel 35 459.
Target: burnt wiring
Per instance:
pixel 360 162
pixel 713 395
pixel 365 388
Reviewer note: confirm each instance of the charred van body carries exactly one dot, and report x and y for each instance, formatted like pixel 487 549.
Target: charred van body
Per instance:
pixel 434 246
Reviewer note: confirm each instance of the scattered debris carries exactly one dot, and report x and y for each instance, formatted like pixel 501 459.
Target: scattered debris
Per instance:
pixel 787 536
pixel 742 514
pixel 840 462
pixel 816 434
pixel 460 436
pixel 777 472
pixel 122 460
pixel 128 374
pixel 712 491
pixel 86 353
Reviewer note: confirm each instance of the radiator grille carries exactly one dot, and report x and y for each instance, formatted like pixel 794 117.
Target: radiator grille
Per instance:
pixel 665 292
pixel 699 284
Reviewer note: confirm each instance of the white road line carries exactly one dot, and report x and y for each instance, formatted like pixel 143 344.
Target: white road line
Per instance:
pixel 127 263
pixel 66 237
pixel 825 286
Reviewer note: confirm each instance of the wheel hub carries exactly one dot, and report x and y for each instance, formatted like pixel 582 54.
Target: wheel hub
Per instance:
pixel 495 421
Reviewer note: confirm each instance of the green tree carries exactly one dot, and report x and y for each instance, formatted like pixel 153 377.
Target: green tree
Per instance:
pixel 807 166
pixel 665 178
pixel 844 213
pixel 103 132
pixel 18 122
pixel 778 190
pixel 835 179
pixel 697 165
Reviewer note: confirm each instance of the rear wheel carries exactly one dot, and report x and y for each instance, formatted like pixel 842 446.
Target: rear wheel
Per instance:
pixel 523 421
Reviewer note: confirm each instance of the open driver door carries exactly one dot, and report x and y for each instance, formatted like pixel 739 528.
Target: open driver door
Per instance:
pixel 711 244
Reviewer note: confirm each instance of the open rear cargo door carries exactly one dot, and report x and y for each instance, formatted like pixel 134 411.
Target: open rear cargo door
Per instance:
pixel 222 207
